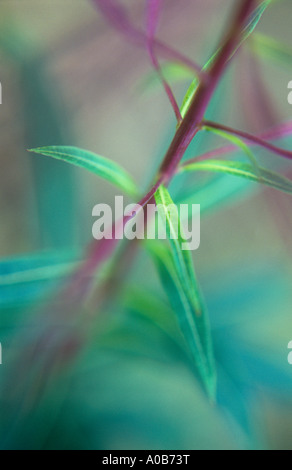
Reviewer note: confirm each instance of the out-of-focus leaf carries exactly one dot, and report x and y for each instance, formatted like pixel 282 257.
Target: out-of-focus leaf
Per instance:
pixel 171 71
pixel 270 48
pixel 147 327
pixel 24 280
pixel 258 106
pixel 254 19
pixel 90 161
pixel 217 193
pixel 54 210
pixel 243 170
pixel 111 400
pixel 193 317
pixel 154 309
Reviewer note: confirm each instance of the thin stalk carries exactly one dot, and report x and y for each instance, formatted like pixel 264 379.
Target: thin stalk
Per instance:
pixel 103 249
pixel 153 10
pixel 188 128
pixel 277 132
pixel 78 287
pixel 251 138
pixel 69 302
pixel 117 16
pixel 195 114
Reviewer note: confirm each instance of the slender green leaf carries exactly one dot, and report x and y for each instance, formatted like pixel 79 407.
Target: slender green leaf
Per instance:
pixel 216 193
pixel 171 71
pixel 186 295
pixel 101 166
pixel 254 20
pixel 188 97
pixel 243 170
pixel 193 87
pixel 271 49
pixel 154 309
pixel 24 280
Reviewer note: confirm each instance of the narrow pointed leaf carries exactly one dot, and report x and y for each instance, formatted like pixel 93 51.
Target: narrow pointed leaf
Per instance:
pixel 193 87
pixel 271 49
pixel 254 20
pixel 243 170
pixel 219 192
pixel 172 72
pixel 186 295
pixel 188 97
pixel 150 306
pixel 90 161
pixel 24 280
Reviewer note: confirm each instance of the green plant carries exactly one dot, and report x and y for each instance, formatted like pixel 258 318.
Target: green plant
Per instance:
pixel 80 296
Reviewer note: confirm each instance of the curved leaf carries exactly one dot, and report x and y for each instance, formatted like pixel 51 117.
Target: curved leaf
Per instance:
pixel 185 295
pixel 90 161
pixel 172 71
pixel 24 280
pixel 254 19
pixel 244 170
pixel 269 48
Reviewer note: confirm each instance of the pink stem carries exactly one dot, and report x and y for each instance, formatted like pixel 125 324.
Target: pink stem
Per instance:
pixel 195 114
pixel 117 16
pixel 278 132
pixel 153 11
pixel 249 137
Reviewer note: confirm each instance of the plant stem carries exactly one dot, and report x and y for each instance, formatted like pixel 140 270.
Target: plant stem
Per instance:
pixel 79 286
pixel 194 116
pixel 153 13
pixel 277 132
pixel 67 306
pixel 117 16
pixel 188 128
pixel 252 138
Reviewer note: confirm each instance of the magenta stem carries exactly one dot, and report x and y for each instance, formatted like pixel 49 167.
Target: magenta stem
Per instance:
pixel 250 137
pixel 195 114
pixel 277 132
pixel 117 16
pixel 153 11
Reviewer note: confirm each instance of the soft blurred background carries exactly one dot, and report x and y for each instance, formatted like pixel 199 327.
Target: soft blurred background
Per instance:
pixel 68 78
